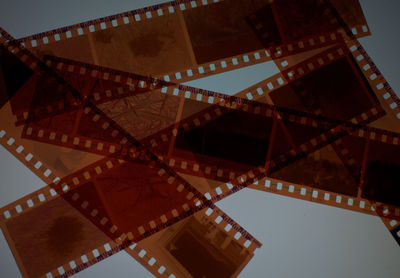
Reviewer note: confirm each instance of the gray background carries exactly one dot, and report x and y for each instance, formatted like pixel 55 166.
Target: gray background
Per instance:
pixel 300 239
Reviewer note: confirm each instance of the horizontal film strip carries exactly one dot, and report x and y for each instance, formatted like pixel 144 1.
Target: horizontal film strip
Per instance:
pixel 271 84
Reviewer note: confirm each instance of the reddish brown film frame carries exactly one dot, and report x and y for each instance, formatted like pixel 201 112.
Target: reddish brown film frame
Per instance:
pixel 78 197
pixel 280 50
pixel 333 38
pixel 388 98
pixel 297 20
pixel 230 53
pixel 383 133
pixel 321 38
pixel 26 55
pixel 78 67
pixel 105 253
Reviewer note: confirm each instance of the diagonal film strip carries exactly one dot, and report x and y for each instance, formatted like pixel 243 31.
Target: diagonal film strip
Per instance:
pixel 185 49
pixel 100 252
pixel 386 95
pixel 103 221
pixel 368 131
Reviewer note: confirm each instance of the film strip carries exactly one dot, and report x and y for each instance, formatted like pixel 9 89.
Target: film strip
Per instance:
pixel 192 55
pixel 185 163
pixel 68 68
pixel 25 55
pixel 194 93
pixel 38 197
pixel 228 219
pixel 382 90
pixel 204 219
pixel 380 86
pixel 47 171
pixel 47 193
pixel 217 186
pixel 99 253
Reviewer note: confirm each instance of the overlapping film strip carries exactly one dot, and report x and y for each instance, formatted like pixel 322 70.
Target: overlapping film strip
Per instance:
pixel 136 160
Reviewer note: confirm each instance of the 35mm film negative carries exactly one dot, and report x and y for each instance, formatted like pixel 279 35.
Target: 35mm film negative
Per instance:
pixel 83 72
pixel 181 41
pixel 109 248
pixel 361 202
pixel 185 163
pixel 83 206
pixel 386 95
pixel 360 119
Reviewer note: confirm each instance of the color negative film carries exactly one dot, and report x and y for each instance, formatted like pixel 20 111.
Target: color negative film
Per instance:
pixel 30 201
pixel 82 237
pixel 278 94
pixel 296 20
pixel 384 92
pixel 24 56
pixel 191 39
pixel 177 163
pixel 328 75
pixel 112 230
pixel 79 73
pixel 38 197
pixel 387 97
